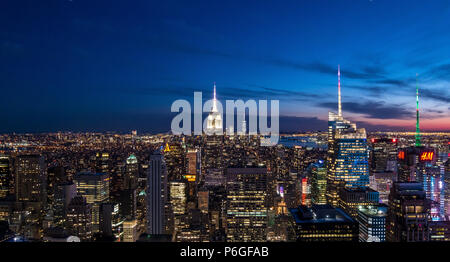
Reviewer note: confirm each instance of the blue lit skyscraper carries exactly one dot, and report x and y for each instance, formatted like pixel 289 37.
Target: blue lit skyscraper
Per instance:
pixel 348 154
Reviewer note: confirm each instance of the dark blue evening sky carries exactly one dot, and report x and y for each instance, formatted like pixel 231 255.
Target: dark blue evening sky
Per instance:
pixel 87 65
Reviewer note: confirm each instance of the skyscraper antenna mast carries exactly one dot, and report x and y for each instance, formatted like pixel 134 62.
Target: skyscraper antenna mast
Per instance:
pixel 418 143
pixel 214 109
pixel 339 92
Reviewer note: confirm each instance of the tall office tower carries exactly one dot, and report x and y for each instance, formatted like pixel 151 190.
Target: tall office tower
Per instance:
pixel 141 211
pixel 193 165
pixel 412 162
pixel 195 229
pixel 213 152
pixel 246 205
pixel 178 199
pixel 5 176
pixel 174 156
pixel 203 200
pixel 64 193
pixel 55 175
pixel 323 223
pixel 383 155
pixel 306 191
pixel 318 183
pixel 433 184
pixel 348 154
pixel 31 179
pixel 351 198
pixel 79 221
pixel 408 213
pixel 102 162
pixel 127 195
pixel 214 140
pixel 214 121
pixel 111 222
pixel 128 199
pixel 130 231
pixel 131 173
pixel 156 194
pixel 95 188
pixel 382 182
pixel 372 223
pixel 217 210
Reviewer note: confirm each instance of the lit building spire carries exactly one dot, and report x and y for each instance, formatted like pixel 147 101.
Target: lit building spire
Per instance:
pixel 339 92
pixel 214 109
pixel 418 143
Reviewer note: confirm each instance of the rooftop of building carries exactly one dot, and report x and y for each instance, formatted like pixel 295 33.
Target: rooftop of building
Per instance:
pixel 319 214
pixel 132 159
pixel 409 188
pixel 379 210
pixel 359 190
pixel 87 174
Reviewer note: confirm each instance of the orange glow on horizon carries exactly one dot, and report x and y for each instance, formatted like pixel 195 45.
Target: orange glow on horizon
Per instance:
pixel 437 124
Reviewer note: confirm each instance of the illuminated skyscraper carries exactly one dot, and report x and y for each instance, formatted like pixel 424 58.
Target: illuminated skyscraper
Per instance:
pixel 214 121
pixel 318 183
pixel 408 213
pixel 111 222
pixel 127 195
pixel 412 162
pixel 246 204
pixel 95 188
pixel 102 164
pixel 383 154
pixel 156 194
pixel 5 176
pixel 203 200
pixel 55 176
pixel 382 182
pixel 372 223
pixel 323 223
pixel 131 172
pixel 30 178
pixel 214 140
pixel 193 165
pixel 348 154
pixel 130 233
pixel 350 199
pixel 64 193
pixel 79 220
pixel 178 197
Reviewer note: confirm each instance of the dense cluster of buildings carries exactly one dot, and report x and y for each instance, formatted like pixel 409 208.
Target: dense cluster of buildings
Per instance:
pixel 65 187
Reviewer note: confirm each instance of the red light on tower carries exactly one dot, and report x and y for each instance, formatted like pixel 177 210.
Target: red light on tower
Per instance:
pixel 394 140
pixel 373 140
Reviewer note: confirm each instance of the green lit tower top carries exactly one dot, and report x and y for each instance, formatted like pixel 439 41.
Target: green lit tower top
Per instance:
pixel 418 143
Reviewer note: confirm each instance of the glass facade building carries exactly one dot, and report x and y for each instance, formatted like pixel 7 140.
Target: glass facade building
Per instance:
pixel 348 156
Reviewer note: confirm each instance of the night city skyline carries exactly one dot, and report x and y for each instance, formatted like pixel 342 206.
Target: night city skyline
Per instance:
pixel 212 129
pixel 91 66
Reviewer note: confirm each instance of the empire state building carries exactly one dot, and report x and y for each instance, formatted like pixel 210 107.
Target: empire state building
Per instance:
pixel 214 120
